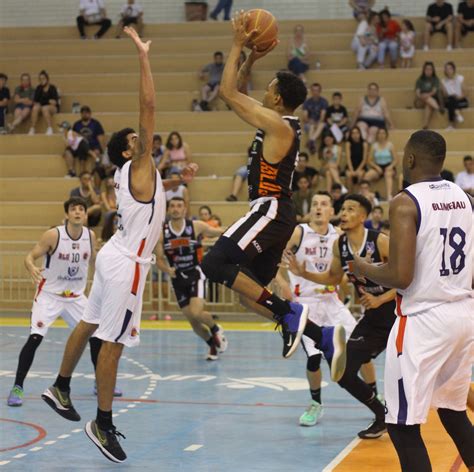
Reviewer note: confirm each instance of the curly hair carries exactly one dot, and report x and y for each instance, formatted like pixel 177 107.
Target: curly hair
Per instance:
pixel 291 89
pixel 118 144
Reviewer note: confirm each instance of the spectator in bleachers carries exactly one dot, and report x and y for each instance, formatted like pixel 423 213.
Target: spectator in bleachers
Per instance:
pixel 382 162
pixel 91 196
pixel 92 130
pixel 465 179
pixel 158 150
pixel 46 102
pixel 428 92
pixel 238 180
pixel 365 41
pixel 212 73
pixel 356 157
pixel 177 154
pixel 92 12
pixel 376 217
pixel 337 118
pixel 439 19
pixel 108 196
pixel 454 91
pixel 337 197
pixel 222 5
pixel 4 100
pixel 205 214
pixel 388 31
pixel 464 20
pixel 131 14
pixel 372 113
pixel 361 6
pixel 385 228
pixel 302 198
pixel 23 100
pixel 180 191
pixel 365 190
pixel 314 115
pixel 330 156
pixel 407 43
pixel 302 168
pixel 298 53
pixel 446 174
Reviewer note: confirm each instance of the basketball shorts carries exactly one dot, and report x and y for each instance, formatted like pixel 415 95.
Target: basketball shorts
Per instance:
pixel 47 307
pixel 326 310
pixel 429 362
pixel 184 290
pixel 116 297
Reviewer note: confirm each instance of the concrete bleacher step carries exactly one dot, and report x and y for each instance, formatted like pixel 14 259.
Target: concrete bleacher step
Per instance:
pixel 21 233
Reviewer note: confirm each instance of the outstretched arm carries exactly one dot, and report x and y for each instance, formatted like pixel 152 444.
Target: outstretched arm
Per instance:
pixel 46 244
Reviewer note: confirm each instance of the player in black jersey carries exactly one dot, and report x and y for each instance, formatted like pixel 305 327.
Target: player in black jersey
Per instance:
pixel 369 337
pixel 246 256
pixel 179 253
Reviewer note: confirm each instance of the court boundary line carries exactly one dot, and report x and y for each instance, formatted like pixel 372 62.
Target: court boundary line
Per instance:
pixel 42 433
pixel 342 455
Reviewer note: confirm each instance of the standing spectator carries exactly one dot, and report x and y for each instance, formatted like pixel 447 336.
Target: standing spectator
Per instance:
pixel 365 41
pixel 23 99
pixel 158 150
pixel 454 91
pixel 46 102
pixel 91 196
pixel 302 168
pixel 331 158
pixel 407 43
pixel 302 198
pixel 376 219
pixel 222 5
pixel 465 179
pixel 4 99
pixel 298 53
pixel 361 6
pixel 364 190
pixel 337 197
pixel 314 115
pixel 337 118
pixel 388 31
pixel 212 73
pixel 132 13
pixel 356 157
pixel 439 19
pixel 382 162
pixel 372 113
pixel 92 12
pixel 177 154
pixel 464 20
pixel 77 147
pixel 428 92
pixel 92 130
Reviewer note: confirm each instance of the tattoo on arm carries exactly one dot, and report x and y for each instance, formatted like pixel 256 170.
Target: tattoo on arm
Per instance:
pixel 143 141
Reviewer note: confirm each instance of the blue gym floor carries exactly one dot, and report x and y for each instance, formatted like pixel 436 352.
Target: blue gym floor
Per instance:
pixel 179 412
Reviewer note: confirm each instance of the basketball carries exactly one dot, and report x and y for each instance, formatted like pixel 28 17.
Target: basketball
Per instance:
pixel 266 25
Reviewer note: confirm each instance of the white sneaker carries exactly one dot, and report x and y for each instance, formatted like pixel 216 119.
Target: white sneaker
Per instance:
pixel 49 131
pixel 31 132
pixel 223 343
pixel 426 48
pixel 449 47
pixel 212 355
pixel 450 128
pixel 459 118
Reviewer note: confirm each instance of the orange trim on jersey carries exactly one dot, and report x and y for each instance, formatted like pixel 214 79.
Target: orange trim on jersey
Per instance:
pixel 401 334
pixel 40 287
pixel 199 254
pixel 398 300
pixel 297 290
pixel 136 277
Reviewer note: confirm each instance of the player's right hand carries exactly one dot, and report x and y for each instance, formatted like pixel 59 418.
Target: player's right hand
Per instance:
pixel 172 272
pixel 141 46
pixel 289 262
pixel 256 54
pixel 36 274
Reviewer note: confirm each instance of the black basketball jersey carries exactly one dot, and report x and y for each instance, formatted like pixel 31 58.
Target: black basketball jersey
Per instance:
pixel 272 180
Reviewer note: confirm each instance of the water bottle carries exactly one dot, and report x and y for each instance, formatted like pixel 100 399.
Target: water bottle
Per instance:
pixel 318 64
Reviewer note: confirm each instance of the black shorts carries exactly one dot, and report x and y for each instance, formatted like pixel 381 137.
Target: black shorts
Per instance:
pixel 128 20
pixel 434 30
pixel 184 291
pixel 82 151
pixel 370 122
pixel 466 29
pixel 260 237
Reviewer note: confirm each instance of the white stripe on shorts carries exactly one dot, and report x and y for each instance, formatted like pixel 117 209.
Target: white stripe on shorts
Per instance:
pixel 233 228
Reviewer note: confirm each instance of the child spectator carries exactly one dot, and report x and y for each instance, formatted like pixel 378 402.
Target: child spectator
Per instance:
pixel 92 12
pixel 465 179
pixel 46 102
pixel 181 191
pixel 365 41
pixel 23 99
pixel 364 190
pixel 337 118
pixel 407 43
pixel 388 31
pixel 314 115
pixel 298 53
pixel 92 130
pixel 331 160
pixel 428 92
pixel 454 91
pixel 4 99
pixel 91 196
pixel 158 149
pixel 302 168
pixel 212 73
pixel 302 198
pixel 375 221
pixel 439 19
pixel 361 7
pixel 356 157
pixel 464 20
pixel 177 154
pixel 132 13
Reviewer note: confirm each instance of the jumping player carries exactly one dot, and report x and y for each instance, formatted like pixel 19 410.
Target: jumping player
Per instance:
pixel 179 254
pixel 246 256
pixel 429 353
pixel 369 337
pixel 115 301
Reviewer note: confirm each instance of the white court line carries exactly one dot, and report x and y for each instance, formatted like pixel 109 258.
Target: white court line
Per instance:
pixel 19 456
pixel 48 443
pixel 123 410
pixel 193 447
pixel 78 430
pixel 64 436
pixel 34 449
pixel 340 457
pixel 4 462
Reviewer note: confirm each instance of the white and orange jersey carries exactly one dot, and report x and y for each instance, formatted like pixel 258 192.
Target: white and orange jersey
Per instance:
pixel 316 251
pixel 65 269
pixel 443 265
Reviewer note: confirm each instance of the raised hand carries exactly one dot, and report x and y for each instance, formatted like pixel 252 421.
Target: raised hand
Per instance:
pixel 188 173
pixel 256 54
pixel 290 262
pixel 239 24
pixel 143 47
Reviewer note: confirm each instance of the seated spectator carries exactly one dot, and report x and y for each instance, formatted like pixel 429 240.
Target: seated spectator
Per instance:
pixel 356 158
pixel 131 14
pixel 361 7
pixel 428 93
pixel 205 214
pixel 222 5
pixel 92 130
pixel 298 53
pixel 337 118
pixel 180 191
pixel 465 179
pixel 407 43
pixel 372 113
pixel 382 162
pixel 46 102
pixel 177 154
pixel 314 115
pixel 158 149
pixel 464 20
pixel 302 198
pixel 77 147
pixel 240 177
pixel 91 196
pixel 388 31
pixel 439 19
pixel 446 174
pixel 337 197
pixel 92 12
pixel 365 40
pixel 108 196
pixel 302 168
pixel 23 99
pixel 375 221
pixel 330 156
pixel 385 228
pixel 4 99
pixel 212 73
pixel 454 91
pixel 364 189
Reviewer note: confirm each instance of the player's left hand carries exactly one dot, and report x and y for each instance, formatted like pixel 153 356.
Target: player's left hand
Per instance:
pixel 289 262
pixel 357 265
pixel 256 54
pixel 239 24
pixel 143 47
pixel 370 302
pixel 188 173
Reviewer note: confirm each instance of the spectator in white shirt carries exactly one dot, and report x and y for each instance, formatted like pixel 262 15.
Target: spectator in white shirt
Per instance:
pixel 92 12
pixel 465 179
pixel 454 91
pixel 132 13
pixel 365 41
pixel 361 6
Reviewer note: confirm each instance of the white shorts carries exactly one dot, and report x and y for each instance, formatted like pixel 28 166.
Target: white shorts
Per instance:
pixel 429 362
pixel 48 307
pixel 116 297
pixel 326 310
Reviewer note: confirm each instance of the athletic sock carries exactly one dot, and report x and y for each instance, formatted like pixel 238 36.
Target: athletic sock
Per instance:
pixel 316 395
pixel 214 329
pixel 63 383
pixel 276 305
pixel 314 332
pixel 374 405
pixel 373 386
pixel 104 419
pixel 210 342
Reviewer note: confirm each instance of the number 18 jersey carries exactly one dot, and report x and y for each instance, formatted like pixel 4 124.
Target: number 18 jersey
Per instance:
pixel 443 265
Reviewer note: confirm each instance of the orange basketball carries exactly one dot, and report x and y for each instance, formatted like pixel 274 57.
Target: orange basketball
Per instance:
pixel 266 25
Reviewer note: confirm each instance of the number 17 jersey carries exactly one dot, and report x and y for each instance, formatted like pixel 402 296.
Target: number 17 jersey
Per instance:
pixel 443 264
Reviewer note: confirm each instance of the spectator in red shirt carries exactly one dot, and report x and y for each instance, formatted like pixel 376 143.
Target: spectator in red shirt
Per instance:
pixel 388 31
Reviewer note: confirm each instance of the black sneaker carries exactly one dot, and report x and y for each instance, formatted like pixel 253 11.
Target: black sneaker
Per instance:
pixel 106 441
pixel 61 403
pixel 376 429
pixel 231 198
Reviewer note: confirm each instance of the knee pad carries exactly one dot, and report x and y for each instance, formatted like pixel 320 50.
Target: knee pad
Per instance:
pixel 314 363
